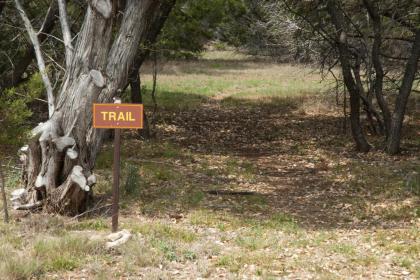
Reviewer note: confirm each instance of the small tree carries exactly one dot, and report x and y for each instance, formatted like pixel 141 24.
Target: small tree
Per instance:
pixel 376 44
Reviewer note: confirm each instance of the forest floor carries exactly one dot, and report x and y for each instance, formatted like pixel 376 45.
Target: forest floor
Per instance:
pixel 250 175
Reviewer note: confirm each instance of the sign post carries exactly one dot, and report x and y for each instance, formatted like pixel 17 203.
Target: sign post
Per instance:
pixel 116 176
pixel 117 116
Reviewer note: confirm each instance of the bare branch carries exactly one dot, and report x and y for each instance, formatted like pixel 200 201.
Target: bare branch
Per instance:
pixel 39 58
pixel 66 31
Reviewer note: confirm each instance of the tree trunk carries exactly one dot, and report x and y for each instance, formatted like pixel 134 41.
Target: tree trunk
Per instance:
pixel 157 21
pixel 137 97
pixel 344 54
pixel 377 64
pixel 3 195
pixel 59 160
pixel 393 143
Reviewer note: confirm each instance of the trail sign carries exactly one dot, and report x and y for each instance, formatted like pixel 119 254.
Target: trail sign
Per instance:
pixel 117 116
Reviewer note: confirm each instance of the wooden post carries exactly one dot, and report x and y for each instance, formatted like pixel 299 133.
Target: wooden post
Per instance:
pixel 117 116
pixel 3 194
pixel 116 176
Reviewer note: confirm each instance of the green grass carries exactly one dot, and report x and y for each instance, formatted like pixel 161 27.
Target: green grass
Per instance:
pixel 343 249
pixel 159 230
pixel 183 85
pixel 234 262
pixel 97 224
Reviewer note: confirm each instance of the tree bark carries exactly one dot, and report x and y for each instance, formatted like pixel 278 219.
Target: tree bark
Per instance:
pixel 157 21
pixel 39 57
pixel 377 64
pixel 344 55
pixel 2 4
pixel 3 195
pixel 137 97
pixel 393 143
pixel 62 153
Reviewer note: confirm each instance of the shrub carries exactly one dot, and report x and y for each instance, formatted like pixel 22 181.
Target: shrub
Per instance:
pixel 15 112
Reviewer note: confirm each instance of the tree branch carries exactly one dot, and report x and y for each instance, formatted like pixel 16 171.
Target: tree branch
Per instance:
pixel 66 31
pixel 39 58
pixel 13 77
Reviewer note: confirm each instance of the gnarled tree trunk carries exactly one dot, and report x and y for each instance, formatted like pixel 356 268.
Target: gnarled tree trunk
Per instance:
pixel 59 160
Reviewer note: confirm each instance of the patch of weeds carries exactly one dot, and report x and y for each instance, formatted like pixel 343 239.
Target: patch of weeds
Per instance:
pixel 405 262
pixel 256 239
pixel 324 273
pixel 343 249
pixel 365 260
pixel 407 248
pixel 281 221
pixel 103 186
pixel 13 179
pixel 169 151
pixel 164 175
pixel 20 267
pixel 256 200
pixel 157 172
pixel 9 237
pixel 64 253
pixel 210 219
pixel 102 274
pixel 132 184
pixel 207 169
pixel 409 264
pixel 323 236
pixel 185 98
pixel 166 248
pixel 104 159
pixel 189 255
pixel 235 261
pixel 232 165
pixel 401 241
pixel 137 254
pixel 194 198
pixel 44 223
pixel 249 170
pixel 163 231
pixel 91 224
pixel 399 212
pixel 299 242
pixel 226 261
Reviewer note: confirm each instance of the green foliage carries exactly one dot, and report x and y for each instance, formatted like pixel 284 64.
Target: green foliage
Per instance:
pixel 193 23
pixel 15 112
pixel 132 181
pixel 195 197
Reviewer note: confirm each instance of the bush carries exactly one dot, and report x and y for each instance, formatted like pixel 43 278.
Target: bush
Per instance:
pixel 132 181
pixel 15 111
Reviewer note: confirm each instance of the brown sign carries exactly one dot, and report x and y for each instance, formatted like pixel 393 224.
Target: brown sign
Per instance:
pixel 118 115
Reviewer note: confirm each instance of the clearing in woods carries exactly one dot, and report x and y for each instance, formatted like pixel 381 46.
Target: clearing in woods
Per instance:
pixel 250 175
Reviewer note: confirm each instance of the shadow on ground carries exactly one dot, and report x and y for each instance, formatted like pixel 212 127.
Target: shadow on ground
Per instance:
pixel 298 164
